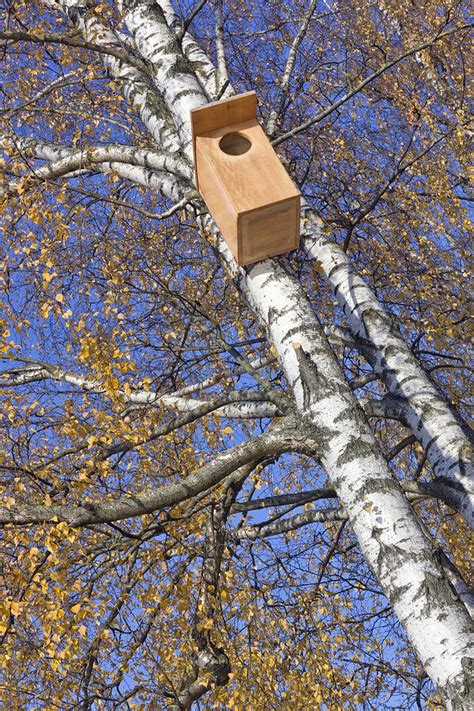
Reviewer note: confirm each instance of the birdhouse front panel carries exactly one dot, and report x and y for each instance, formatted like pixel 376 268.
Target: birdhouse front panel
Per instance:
pixel 246 188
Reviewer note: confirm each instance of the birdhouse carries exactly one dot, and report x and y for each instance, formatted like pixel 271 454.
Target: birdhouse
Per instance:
pixel 242 181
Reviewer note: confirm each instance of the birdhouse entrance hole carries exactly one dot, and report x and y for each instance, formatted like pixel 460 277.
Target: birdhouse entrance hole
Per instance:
pixel 234 144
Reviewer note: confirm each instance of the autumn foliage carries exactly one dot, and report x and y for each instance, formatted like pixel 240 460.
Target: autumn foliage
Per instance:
pixel 130 358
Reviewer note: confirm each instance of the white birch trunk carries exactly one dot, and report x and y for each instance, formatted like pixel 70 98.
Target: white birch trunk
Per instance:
pixel 204 69
pixel 172 73
pixel 446 445
pixel 389 535
pixel 136 87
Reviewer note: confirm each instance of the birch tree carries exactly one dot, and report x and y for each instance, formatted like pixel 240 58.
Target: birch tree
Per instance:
pixel 235 487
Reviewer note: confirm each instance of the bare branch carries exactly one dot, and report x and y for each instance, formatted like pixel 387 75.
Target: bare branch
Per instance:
pixel 275 441
pixel 361 85
pixel 192 15
pixel 298 499
pixel 73 41
pixel 222 71
pixel 252 533
pixel 290 65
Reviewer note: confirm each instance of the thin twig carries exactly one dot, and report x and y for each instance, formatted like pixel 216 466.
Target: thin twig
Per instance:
pixel 69 41
pixel 378 72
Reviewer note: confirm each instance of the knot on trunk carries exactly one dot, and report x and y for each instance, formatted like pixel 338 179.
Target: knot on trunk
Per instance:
pixel 213 660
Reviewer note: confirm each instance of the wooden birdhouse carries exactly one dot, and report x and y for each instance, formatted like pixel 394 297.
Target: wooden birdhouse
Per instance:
pixel 242 181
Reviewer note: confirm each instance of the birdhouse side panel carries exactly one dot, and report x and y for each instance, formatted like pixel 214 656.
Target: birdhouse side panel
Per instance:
pixel 216 199
pixel 269 231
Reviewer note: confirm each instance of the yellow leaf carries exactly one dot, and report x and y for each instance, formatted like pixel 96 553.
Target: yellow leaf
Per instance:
pixel 50 545
pixel 45 309
pixel 15 608
pixel 319 267
pixel 206 625
pixel 79 430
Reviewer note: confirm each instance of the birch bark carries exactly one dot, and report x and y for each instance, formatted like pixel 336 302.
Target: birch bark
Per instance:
pixel 446 444
pixel 137 88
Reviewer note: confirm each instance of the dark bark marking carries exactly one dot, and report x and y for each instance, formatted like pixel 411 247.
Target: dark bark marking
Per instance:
pixel 313 382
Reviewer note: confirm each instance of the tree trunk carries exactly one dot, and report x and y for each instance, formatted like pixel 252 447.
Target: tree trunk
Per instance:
pixel 447 446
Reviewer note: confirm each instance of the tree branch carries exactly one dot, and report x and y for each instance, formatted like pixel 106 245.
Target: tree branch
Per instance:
pixel 290 64
pixel 108 159
pixel 222 71
pixel 242 409
pixel 361 85
pixel 252 533
pixel 71 41
pixel 275 441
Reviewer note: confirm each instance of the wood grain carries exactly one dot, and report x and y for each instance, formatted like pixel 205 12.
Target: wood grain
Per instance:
pixel 224 113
